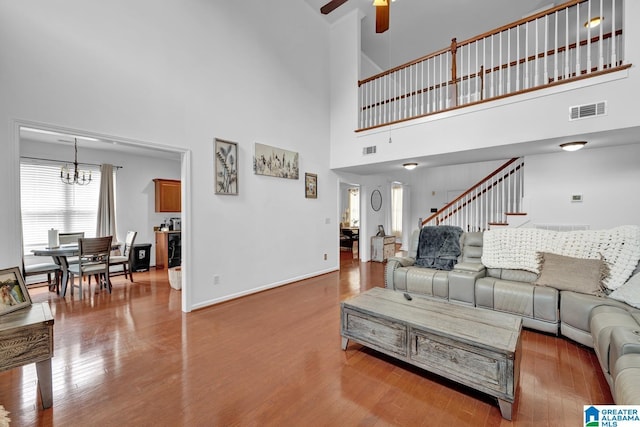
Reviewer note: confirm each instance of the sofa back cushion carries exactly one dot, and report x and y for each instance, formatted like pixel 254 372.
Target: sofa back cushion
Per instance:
pixel 471 247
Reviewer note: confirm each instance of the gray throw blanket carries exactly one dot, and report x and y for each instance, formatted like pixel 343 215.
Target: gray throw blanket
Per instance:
pixel 439 247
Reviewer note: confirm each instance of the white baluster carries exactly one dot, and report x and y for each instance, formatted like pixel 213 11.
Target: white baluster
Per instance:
pixel 555 49
pixel 614 58
pixel 589 37
pixel 601 42
pixel 518 58
pixel 577 40
pixel 566 40
pixel 546 50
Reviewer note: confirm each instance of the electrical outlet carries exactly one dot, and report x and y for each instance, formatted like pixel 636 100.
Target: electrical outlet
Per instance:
pixel 325 257
pixel 216 279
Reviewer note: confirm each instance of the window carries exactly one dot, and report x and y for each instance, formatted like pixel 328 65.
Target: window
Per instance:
pixel 354 207
pixel 396 209
pixel 48 203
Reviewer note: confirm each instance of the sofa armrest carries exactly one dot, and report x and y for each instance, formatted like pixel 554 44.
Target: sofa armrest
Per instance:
pixel 462 280
pixel 403 261
pixel 624 340
pixel 392 264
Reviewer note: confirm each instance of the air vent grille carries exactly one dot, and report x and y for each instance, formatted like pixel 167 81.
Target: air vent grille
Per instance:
pixel 369 150
pixel 588 110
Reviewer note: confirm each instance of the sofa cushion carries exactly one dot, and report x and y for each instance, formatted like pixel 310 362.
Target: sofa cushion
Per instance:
pixel 511 274
pixel 602 320
pixel 571 274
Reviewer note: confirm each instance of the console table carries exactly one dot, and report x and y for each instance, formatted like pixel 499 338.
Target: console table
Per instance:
pixel 382 248
pixel 478 348
pixel 26 336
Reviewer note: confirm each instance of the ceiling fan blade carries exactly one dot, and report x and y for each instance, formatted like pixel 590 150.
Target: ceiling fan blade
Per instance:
pixel 331 6
pixel 382 18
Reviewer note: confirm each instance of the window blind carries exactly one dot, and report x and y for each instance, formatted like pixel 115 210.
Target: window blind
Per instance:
pixel 48 203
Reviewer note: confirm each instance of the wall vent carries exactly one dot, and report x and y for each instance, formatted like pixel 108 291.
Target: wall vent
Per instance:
pixel 588 110
pixel 369 150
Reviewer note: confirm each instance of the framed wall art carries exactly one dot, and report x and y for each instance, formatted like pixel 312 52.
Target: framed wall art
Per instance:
pixel 226 167
pixel 273 161
pixel 310 185
pixel 13 291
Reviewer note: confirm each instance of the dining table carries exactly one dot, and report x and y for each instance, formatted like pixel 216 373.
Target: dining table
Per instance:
pixel 61 254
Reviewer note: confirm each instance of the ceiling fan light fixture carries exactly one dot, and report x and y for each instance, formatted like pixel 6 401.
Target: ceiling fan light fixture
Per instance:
pixel 594 22
pixel 573 146
pixel 410 166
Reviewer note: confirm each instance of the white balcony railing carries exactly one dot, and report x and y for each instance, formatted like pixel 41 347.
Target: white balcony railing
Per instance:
pixel 551 47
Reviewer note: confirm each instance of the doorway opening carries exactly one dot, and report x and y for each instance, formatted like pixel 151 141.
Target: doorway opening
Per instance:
pixel 140 163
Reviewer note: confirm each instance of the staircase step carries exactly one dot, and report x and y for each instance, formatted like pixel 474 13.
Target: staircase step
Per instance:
pixel 516 213
pixel 499 223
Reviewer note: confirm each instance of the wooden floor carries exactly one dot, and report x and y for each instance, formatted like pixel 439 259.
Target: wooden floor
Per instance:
pixel 274 358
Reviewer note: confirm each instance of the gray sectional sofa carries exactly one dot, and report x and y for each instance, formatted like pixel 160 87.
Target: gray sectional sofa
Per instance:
pixel 610 327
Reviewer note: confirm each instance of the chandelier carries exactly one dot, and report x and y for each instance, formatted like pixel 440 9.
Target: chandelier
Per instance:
pixel 76 176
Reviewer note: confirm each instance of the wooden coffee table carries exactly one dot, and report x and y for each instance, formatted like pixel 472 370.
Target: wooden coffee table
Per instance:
pixel 475 347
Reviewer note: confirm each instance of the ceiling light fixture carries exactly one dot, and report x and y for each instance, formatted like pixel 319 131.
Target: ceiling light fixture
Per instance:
pixel 573 146
pixel 594 22
pixel 410 166
pixel 380 2
pixel 69 177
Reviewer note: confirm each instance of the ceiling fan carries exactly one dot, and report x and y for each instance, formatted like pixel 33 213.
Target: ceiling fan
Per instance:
pixel 382 12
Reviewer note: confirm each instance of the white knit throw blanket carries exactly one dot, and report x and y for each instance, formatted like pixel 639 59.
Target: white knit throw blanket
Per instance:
pixel 517 248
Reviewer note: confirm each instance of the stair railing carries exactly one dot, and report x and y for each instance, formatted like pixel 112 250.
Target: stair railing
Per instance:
pixel 549 48
pixel 486 203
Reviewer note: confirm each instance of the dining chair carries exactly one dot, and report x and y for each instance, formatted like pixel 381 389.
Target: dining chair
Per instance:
pixel 93 260
pixel 68 239
pixel 47 268
pixel 125 259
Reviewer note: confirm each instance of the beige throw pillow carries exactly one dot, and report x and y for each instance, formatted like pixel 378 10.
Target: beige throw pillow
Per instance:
pixel 572 274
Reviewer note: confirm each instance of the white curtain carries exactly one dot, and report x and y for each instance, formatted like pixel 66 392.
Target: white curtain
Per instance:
pixel 106 224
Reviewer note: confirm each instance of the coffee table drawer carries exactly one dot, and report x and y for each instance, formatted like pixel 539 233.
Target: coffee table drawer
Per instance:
pixel 478 368
pixel 375 332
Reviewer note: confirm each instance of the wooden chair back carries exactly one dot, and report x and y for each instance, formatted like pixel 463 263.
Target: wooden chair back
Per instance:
pixel 94 250
pixel 69 238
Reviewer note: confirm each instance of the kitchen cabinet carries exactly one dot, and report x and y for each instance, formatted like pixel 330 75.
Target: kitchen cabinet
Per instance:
pixel 168 195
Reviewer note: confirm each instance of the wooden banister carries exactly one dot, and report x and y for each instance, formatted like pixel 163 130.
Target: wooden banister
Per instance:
pixel 474 187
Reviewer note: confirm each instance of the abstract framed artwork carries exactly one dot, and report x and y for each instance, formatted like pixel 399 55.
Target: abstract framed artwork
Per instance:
pixel 310 185
pixel 226 167
pixel 13 291
pixel 273 161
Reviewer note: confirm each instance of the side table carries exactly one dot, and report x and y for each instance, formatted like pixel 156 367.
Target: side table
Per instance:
pixel 26 336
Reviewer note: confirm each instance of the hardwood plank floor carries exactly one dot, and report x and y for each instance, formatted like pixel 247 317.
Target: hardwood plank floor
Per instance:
pixel 273 358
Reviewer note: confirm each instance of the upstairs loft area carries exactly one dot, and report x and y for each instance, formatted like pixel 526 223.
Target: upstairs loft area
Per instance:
pixel 572 41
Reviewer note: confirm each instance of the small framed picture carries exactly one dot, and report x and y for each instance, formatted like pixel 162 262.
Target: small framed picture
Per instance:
pixel 226 169
pixel 310 185
pixel 13 291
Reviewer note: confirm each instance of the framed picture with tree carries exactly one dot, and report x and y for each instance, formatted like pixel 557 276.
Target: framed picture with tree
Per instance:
pixel 226 167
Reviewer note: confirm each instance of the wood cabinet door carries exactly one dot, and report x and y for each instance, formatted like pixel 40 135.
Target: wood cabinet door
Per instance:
pixel 168 195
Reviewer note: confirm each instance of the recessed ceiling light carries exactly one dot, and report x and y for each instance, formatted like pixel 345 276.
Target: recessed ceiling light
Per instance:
pixel 410 166
pixel 594 22
pixel 573 146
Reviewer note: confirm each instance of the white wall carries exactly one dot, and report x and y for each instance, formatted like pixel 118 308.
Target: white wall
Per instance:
pixel 135 189
pixel 606 178
pixel 179 75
